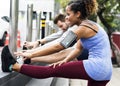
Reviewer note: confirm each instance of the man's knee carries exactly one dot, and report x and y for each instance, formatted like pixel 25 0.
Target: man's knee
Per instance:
pixel 68 50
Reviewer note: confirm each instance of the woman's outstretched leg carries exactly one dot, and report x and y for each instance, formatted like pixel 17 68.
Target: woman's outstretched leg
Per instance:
pixel 73 69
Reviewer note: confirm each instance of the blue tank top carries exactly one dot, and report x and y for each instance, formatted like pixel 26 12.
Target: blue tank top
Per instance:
pixel 98 65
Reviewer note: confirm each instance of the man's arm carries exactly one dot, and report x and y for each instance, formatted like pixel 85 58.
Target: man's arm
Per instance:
pixel 53 36
pixel 47 39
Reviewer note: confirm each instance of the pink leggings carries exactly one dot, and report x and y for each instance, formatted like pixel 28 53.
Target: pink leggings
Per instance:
pixel 74 70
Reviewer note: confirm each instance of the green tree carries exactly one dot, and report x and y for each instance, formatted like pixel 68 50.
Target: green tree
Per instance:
pixel 107 13
pixel 108 10
pixel 63 3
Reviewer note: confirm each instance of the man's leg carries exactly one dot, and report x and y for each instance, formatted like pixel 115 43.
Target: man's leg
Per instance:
pixel 53 57
pixel 59 56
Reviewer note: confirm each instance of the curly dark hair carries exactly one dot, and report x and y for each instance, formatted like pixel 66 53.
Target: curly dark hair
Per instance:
pixel 86 7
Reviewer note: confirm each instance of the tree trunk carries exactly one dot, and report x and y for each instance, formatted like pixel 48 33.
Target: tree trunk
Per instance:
pixel 104 22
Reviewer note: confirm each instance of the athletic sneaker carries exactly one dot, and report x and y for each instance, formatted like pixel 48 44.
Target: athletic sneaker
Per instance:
pixel 27 61
pixel 24 48
pixel 7 59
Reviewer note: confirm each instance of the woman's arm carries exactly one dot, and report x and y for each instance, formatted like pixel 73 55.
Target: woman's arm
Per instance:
pixel 41 51
pixel 73 54
pixel 47 50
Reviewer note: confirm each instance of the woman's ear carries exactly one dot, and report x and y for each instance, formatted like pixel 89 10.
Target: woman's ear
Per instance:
pixel 78 14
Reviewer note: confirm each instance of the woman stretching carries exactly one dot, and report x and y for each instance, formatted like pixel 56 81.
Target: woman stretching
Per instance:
pixel 97 69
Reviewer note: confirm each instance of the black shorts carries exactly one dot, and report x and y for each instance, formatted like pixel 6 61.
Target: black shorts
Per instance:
pixel 83 55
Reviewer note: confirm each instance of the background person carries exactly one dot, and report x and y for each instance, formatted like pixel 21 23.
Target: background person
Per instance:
pixel 60 22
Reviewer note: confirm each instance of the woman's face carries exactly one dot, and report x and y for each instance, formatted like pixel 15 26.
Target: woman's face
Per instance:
pixel 71 17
